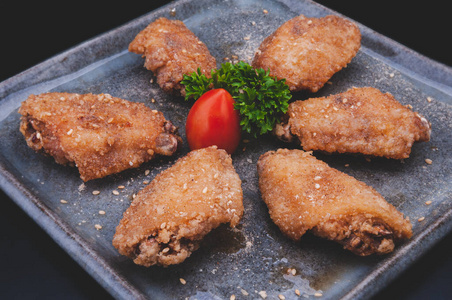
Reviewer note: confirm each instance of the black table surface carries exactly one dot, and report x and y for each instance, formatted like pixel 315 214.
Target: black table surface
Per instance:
pixel 33 266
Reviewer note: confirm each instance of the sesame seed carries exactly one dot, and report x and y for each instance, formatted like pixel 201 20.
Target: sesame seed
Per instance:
pixel 96 192
pixel 263 294
pixel 146 173
pixel 70 132
pixel 101 212
pixel 318 294
pixel 204 190
pixel 428 202
pixel 317 186
pixel 63 201
pixel 146 182
pixel 115 192
pixel 232 297
pixel 121 187
pixel 391 75
pixel 98 227
pixel 253 23
pixel 421 219
pixel 297 292
pixel 282 297
pixel 265 11
pixel 166 250
pixel 247 38
pixel 428 161
pixel 347 165
pixel 182 281
pixel 150 152
pixel 293 272
pixel 244 292
pixel 429 99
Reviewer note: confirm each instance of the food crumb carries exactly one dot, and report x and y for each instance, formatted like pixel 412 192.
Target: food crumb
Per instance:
pixel 318 294
pixel 147 172
pixel 146 182
pixel 421 219
pixel 101 212
pixel 81 187
pixel 263 294
pixel 297 292
pixel 282 297
pixel 115 192
pixel 429 99
pixel 265 11
pixel 96 192
pixel 98 227
pixel 182 281
pixel 232 297
pixel 244 292
pixel 63 201
pixel 428 161
pixel 428 202
pixel 121 187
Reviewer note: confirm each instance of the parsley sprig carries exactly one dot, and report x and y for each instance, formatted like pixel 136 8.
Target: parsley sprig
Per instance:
pixel 260 98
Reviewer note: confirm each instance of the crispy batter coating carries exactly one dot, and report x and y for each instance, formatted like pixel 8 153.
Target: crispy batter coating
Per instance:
pixel 172 50
pixel 167 220
pixel 308 51
pixel 303 193
pixel 100 134
pixel 360 120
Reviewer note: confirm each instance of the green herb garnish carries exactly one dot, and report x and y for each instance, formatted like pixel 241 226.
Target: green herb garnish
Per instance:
pixel 260 98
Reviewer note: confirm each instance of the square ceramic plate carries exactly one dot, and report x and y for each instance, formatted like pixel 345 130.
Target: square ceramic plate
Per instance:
pixel 255 256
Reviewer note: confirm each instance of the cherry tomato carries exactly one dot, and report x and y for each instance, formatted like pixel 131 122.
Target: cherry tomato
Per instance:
pixel 212 120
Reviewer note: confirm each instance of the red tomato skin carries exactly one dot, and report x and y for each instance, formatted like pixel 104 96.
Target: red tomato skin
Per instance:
pixel 212 120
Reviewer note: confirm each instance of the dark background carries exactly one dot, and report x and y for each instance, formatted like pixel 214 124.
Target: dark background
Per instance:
pixel 33 266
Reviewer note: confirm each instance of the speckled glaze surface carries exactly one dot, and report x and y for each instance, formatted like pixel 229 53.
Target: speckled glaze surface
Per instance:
pixel 254 257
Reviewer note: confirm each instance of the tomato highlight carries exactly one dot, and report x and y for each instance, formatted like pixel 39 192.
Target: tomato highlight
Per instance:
pixel 212 120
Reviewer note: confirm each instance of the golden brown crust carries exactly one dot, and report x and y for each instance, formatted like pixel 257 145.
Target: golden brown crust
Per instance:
pixel 172 50
pixel 360 120
pixel 100 134
pixel 168 218
pixel 308 51
pixel 303 193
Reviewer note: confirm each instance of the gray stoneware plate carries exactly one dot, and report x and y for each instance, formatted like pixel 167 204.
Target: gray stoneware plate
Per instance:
pixel 254 257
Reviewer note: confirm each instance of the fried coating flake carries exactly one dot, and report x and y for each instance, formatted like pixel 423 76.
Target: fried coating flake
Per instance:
pixel 360 120
pixel 167 219
pixel 305 194
pixel 308 51
pixel 100 134
pixel 172 50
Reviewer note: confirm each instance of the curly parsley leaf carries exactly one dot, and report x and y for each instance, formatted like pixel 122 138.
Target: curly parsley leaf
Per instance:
pixel 260 98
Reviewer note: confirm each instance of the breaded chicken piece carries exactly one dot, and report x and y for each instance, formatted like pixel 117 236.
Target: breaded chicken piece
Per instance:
pixel 303 193
pixel 308 51
pixel 167 220
pixel 100 134
pixel 172 50
pixel 360 120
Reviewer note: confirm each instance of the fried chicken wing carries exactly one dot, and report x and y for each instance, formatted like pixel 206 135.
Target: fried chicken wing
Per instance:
pixel 308 51
pixel 172 50
pixel 167 220
pixel 100 134
pixel 303 193
pixel 360 120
